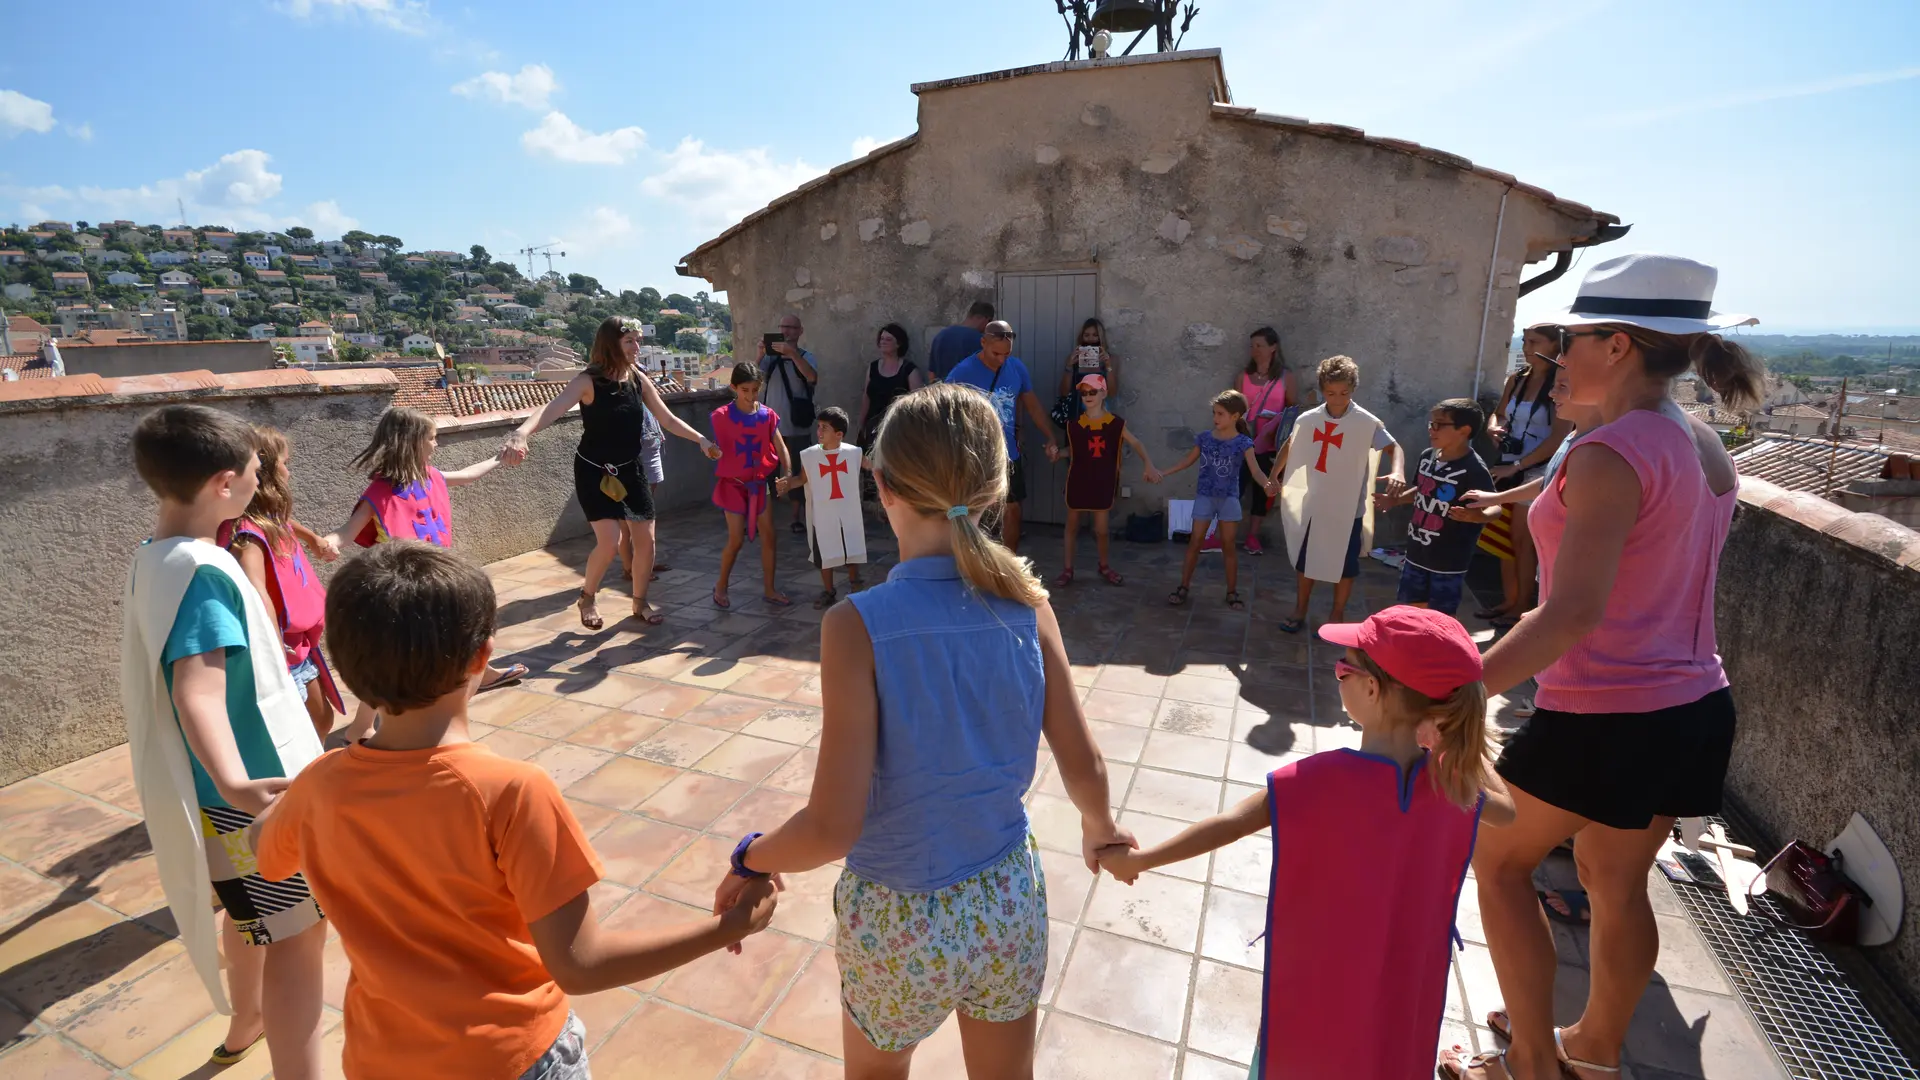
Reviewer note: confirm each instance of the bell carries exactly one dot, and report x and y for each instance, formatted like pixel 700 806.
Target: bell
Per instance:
pixel 1125 16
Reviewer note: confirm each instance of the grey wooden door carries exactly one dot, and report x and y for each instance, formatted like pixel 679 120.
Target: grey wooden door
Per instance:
pixel 1046 309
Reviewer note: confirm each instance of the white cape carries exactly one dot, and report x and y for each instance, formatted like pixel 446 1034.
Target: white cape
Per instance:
pixel 1330 470
pixel 833 504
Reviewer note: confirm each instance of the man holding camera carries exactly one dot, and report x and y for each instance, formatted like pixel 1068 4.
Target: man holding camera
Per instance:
pixel 787 378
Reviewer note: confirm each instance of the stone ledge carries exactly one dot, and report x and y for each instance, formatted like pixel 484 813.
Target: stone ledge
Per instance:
pixel 484 421
pixel 69 391
pixel 1872 534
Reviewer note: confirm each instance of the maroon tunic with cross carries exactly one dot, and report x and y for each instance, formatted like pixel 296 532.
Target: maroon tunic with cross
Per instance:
pixel 1093 469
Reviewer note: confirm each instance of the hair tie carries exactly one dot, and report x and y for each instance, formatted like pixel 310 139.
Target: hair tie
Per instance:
pixel 957 512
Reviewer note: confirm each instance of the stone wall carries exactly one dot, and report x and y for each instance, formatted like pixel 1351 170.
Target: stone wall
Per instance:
pixel 1203 220
pixel 1819 622
pixel 73 510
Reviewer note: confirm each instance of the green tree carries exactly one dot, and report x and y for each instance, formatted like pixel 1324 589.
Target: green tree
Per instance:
pixel 357 239
pixel 300 232
pixel 690 340
pixel 581 283
pixel 679 302
pixel 668 327
pixel 650 297
pixel 354 354
pixel 391 243
pixel 480 257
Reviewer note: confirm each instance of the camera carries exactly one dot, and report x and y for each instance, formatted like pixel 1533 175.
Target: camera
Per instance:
pixel 1512 446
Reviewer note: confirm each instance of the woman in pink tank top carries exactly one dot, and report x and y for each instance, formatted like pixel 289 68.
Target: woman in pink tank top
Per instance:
pixel 1272 390
pixel 1635 721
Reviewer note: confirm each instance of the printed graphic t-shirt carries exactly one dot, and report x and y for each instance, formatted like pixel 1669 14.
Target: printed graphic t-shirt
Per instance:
pixel 212 617
pixel 1003 389
pixel 1435 542
pixel 1220 461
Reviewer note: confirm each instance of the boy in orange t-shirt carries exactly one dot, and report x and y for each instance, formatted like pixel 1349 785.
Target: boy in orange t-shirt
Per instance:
pixel 457 878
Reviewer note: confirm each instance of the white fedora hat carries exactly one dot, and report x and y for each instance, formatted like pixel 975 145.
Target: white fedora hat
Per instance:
pixel 1663 293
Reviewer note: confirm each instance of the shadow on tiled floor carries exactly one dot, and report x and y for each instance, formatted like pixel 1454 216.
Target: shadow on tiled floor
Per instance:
pixel 671 741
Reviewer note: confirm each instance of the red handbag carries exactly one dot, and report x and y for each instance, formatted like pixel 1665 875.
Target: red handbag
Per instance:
pixel 1816 895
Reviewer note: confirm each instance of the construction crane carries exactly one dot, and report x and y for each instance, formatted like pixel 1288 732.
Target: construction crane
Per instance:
pixel 542 250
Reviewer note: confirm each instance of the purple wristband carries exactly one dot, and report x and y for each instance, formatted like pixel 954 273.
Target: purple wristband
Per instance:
pixel 739 859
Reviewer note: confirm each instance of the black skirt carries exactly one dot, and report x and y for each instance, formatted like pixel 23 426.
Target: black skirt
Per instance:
pixel 598 506
pixel 1622 770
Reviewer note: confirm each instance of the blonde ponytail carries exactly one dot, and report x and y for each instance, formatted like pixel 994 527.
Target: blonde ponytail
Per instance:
pixel 941 450
pixel 1461 758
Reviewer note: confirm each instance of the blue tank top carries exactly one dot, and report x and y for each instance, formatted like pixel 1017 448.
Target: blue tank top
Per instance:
pixel 962 693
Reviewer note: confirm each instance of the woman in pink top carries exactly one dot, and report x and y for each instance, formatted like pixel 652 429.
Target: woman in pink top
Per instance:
pixel 1635 722
pixel 1272 391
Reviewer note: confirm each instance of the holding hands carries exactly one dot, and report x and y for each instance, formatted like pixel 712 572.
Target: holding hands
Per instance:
pixel 708 448
pixel 515 450
pixel 747 904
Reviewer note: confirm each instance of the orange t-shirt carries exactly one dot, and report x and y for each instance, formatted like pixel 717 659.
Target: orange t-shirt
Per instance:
pixel 431 863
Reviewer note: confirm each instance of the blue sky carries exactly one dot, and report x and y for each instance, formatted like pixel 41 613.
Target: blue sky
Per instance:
pixel 1777 140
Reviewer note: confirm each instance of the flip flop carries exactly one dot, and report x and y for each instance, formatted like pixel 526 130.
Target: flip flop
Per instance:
pixel 1579 909
pixel 1292 626
pixel 720 601
pixel 509 675
pixel 1178 596
pixel 1457 1070
pixel 1233 600
pixel 224 1057
pixel 776 601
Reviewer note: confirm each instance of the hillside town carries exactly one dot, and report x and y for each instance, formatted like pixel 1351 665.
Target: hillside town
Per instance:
pixel 438 318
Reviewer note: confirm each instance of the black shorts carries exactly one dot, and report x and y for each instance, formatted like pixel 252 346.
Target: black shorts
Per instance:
pixel 1623 770
pixel 1017 480
pixel 597 505
pixel 1258 503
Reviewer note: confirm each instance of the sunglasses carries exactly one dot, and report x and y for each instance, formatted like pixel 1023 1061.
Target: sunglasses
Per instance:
pixel 1566 336
pixel 1089 393
pixel 1342 670
pixel 1436 425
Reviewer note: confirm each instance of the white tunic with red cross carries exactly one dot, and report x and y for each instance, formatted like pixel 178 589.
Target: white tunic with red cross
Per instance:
pixel 1330 467
pixel 833 503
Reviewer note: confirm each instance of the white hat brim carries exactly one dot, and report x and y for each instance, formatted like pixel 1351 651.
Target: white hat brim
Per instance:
pixel 1713 323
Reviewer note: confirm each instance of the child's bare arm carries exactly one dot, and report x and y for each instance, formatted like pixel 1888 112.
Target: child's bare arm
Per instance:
pixel 1152 474
pixel 1193 455
pixel 1245 819
pixel 585 958
pixel 1081 768
pixel 780 447
pixel 362 517
pixel 1279 463
pixel 200 699
pixel 314 541
pixel 472 472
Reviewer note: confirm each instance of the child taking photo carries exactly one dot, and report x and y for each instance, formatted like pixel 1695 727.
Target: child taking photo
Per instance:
pixel 1220 453
pixel 939 685
pixel 266 541
pixel 1370 848
pixel 1094 439
pixel 406 499
pixel 751 449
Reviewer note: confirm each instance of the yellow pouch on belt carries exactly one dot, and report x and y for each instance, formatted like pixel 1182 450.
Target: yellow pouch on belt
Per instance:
pixel 612 488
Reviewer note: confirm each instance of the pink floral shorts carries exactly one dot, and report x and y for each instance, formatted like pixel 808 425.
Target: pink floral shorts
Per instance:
pixel 909 959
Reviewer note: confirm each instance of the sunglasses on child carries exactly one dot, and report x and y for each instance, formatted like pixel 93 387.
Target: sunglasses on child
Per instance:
pixel 1342 669
pixel 1089 393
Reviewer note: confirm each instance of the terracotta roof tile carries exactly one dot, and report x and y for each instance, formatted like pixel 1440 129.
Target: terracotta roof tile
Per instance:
pixel 419 389
pixel 470 399
pixel 27 365
pixel 1801 464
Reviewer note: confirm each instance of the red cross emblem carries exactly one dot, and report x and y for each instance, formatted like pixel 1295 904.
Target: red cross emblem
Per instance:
pixel 1097 445
pixel 833 471
pixel 1327 440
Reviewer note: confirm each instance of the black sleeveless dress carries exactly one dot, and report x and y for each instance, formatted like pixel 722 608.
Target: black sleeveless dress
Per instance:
pixel 882 391
pixel 610 433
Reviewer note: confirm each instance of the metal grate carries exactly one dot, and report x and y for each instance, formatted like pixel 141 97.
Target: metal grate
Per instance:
pixel 1806 1006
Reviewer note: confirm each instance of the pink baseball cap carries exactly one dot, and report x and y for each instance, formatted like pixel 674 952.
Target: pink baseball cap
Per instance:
pixel 1098 382
pixel 1421 647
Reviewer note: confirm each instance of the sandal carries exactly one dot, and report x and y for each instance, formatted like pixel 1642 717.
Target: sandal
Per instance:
pixel 720 600
pixel 1177 596
pixel 1456 1068
pixel 1501 1025
pixel 776 599
pixel 661 568
pixel 224 1057
pixel 1111 578
pixel 798 528
pixel 647 613
pixel 824 600
pixel 1292 626
pixel 1233 600
pixel 589 612
pixel 1579 909
pixel 509 675
pixel 1065 579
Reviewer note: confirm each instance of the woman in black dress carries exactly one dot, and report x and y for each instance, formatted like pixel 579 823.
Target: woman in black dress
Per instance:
pixel 614 396
pixel 889 377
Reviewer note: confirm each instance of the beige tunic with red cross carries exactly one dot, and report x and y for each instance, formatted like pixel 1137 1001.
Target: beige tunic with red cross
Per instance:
pixel 833 503
pixel 1330 467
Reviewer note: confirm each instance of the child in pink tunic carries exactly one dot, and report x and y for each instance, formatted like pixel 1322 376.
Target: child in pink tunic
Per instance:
pixel 1370 848
pixel 753 460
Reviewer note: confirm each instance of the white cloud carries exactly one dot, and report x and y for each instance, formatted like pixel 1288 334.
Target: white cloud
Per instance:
pixel 602 230
pixel 233 190
pixel 325 218
pixel 563 140
pixel 864 145
pixel 19 113
pixel 83 132
pixel 533 86
pixel 406 16
pixel 720 186
pixel 1756 97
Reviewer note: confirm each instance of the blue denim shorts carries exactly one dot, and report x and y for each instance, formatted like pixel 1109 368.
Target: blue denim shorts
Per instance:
pixel 1441 592
pixel 305 673
pixel 1210 507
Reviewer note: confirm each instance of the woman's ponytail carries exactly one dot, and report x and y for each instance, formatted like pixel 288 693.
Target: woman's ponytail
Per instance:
pixel 940 449
pixel 1461 755
pixel 1729 369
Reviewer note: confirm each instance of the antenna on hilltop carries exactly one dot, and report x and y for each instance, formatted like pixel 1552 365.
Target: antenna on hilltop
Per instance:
pixel 1095 30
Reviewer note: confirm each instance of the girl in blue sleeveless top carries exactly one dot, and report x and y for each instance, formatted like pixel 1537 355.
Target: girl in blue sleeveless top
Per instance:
pixel 938 686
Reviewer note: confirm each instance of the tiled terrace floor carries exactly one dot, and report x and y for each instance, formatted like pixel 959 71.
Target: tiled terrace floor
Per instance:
pixel 672 743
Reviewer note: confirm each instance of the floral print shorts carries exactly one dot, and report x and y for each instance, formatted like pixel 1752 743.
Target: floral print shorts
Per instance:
pixel 909 959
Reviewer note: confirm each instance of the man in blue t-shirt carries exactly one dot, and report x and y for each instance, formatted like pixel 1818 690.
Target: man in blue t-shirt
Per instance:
pixel 956 343
pixel 997 373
